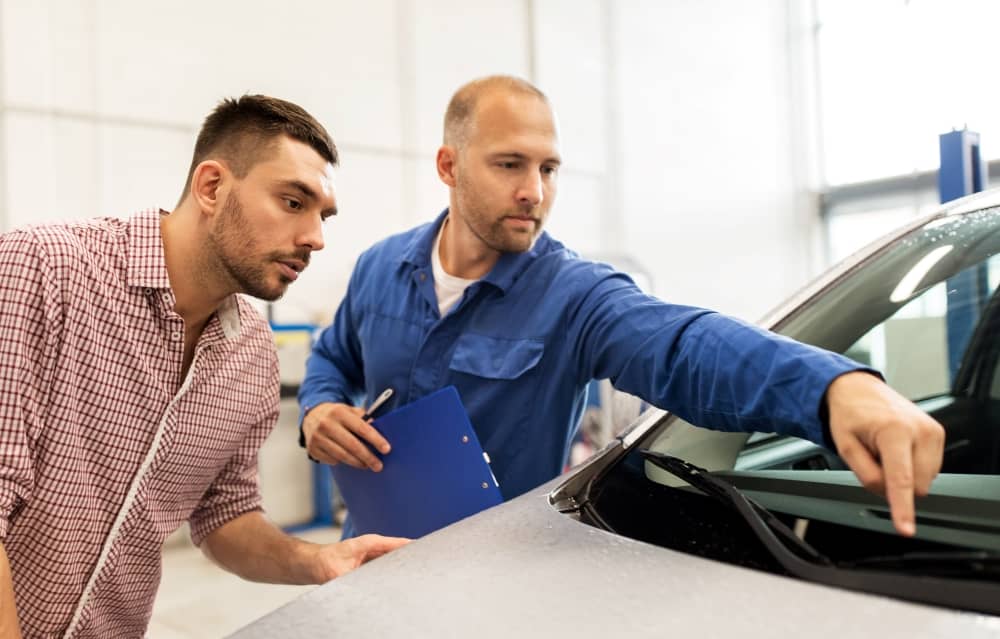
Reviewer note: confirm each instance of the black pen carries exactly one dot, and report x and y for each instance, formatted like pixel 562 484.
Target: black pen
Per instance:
pixel 381 399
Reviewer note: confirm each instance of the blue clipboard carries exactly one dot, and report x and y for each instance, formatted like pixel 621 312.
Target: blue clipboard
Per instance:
pixel 435 474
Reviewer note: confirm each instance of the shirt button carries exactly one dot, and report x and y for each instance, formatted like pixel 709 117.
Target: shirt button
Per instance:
pixel 147 291
pixel 423 276
pixel 176 335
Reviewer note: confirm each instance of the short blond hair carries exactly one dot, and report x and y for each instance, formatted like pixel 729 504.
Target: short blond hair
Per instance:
pixel 462 105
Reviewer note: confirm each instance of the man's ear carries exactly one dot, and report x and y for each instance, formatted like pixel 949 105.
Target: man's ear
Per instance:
pixel 446 157
pixel 206 183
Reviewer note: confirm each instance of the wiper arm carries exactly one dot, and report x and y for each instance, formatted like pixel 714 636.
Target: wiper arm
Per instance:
pixel 728 494
pixel 957 563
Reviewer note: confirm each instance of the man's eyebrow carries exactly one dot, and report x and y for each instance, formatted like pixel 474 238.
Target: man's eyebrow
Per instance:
pixel 516 155
pixel 300 186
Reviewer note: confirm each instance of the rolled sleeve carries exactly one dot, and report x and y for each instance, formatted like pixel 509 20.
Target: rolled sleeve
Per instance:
pixel 12 494
pixel 16 459
pixel 236 490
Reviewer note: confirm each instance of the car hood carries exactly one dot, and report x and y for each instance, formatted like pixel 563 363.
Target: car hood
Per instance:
pixel 524 569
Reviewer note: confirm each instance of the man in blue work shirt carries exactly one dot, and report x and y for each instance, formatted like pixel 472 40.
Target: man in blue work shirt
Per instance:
pixel 483 299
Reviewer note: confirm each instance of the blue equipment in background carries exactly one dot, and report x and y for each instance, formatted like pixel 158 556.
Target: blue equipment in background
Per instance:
pixel 962 173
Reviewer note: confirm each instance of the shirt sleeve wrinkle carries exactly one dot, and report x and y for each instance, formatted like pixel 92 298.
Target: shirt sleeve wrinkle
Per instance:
pixel 621 325
pixel 592 319
pixel 236 490
pixel 755 380
pixel 712 370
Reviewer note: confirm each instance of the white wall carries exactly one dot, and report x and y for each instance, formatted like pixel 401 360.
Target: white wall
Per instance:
pixel 675 116
pixel 710 151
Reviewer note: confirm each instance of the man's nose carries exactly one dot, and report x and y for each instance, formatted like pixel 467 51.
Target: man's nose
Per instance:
pixel 531 191
pixel 312 235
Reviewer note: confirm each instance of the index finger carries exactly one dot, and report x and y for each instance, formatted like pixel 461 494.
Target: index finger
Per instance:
pixel 896 454
pixel 367 432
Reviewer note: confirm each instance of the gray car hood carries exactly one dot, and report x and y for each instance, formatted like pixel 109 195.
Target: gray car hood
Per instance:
pixel 524 569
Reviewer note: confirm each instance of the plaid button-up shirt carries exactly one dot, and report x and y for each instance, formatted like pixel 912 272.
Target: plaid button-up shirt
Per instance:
pixel 104 448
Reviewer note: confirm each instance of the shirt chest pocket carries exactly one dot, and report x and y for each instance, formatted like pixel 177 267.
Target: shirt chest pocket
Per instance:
pixel 495 358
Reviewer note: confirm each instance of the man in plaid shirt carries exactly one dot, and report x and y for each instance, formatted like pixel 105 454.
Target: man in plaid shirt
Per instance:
pixel 136 385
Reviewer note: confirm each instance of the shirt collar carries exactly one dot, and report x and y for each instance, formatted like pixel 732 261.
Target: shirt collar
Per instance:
pixel 418 252
pixel 503 274
pixel 229 317
pixel 147 266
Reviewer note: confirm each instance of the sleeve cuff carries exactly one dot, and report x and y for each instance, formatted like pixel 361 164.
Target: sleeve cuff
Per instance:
pixel 10 499
pixel 203 525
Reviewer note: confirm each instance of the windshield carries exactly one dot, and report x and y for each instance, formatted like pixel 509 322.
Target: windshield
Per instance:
pixel 912 310
pixel 925 311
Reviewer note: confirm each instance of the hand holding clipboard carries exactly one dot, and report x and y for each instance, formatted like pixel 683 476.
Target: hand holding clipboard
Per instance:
pixel 436 474
pixel 336 433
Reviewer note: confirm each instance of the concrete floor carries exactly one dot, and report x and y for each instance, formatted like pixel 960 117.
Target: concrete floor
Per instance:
pixel 198 600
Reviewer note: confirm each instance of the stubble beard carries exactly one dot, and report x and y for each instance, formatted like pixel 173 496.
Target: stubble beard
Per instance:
pixel 491 229
pixel 234 249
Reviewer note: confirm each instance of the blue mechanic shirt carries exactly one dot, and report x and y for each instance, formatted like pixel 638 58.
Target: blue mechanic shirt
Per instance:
pixel 524 341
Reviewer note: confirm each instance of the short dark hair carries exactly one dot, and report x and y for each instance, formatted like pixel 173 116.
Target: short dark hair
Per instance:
pixel 243 131
pixel 462 106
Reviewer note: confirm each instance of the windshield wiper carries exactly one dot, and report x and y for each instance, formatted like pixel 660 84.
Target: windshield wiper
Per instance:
pixel 915 585
pixel 731 496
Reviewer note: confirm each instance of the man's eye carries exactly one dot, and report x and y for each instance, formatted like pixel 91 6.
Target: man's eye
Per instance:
pixel 507 165
pixel 549 170
pixel 293 204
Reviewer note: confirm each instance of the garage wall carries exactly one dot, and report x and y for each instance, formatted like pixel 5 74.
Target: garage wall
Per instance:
pixel 715 153
pixel 676 120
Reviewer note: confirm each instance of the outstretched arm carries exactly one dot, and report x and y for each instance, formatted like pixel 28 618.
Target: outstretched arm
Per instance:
pixel 721 373
pixel 255 549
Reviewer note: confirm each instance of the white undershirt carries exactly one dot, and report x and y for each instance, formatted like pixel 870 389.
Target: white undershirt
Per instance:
pixel 448 288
